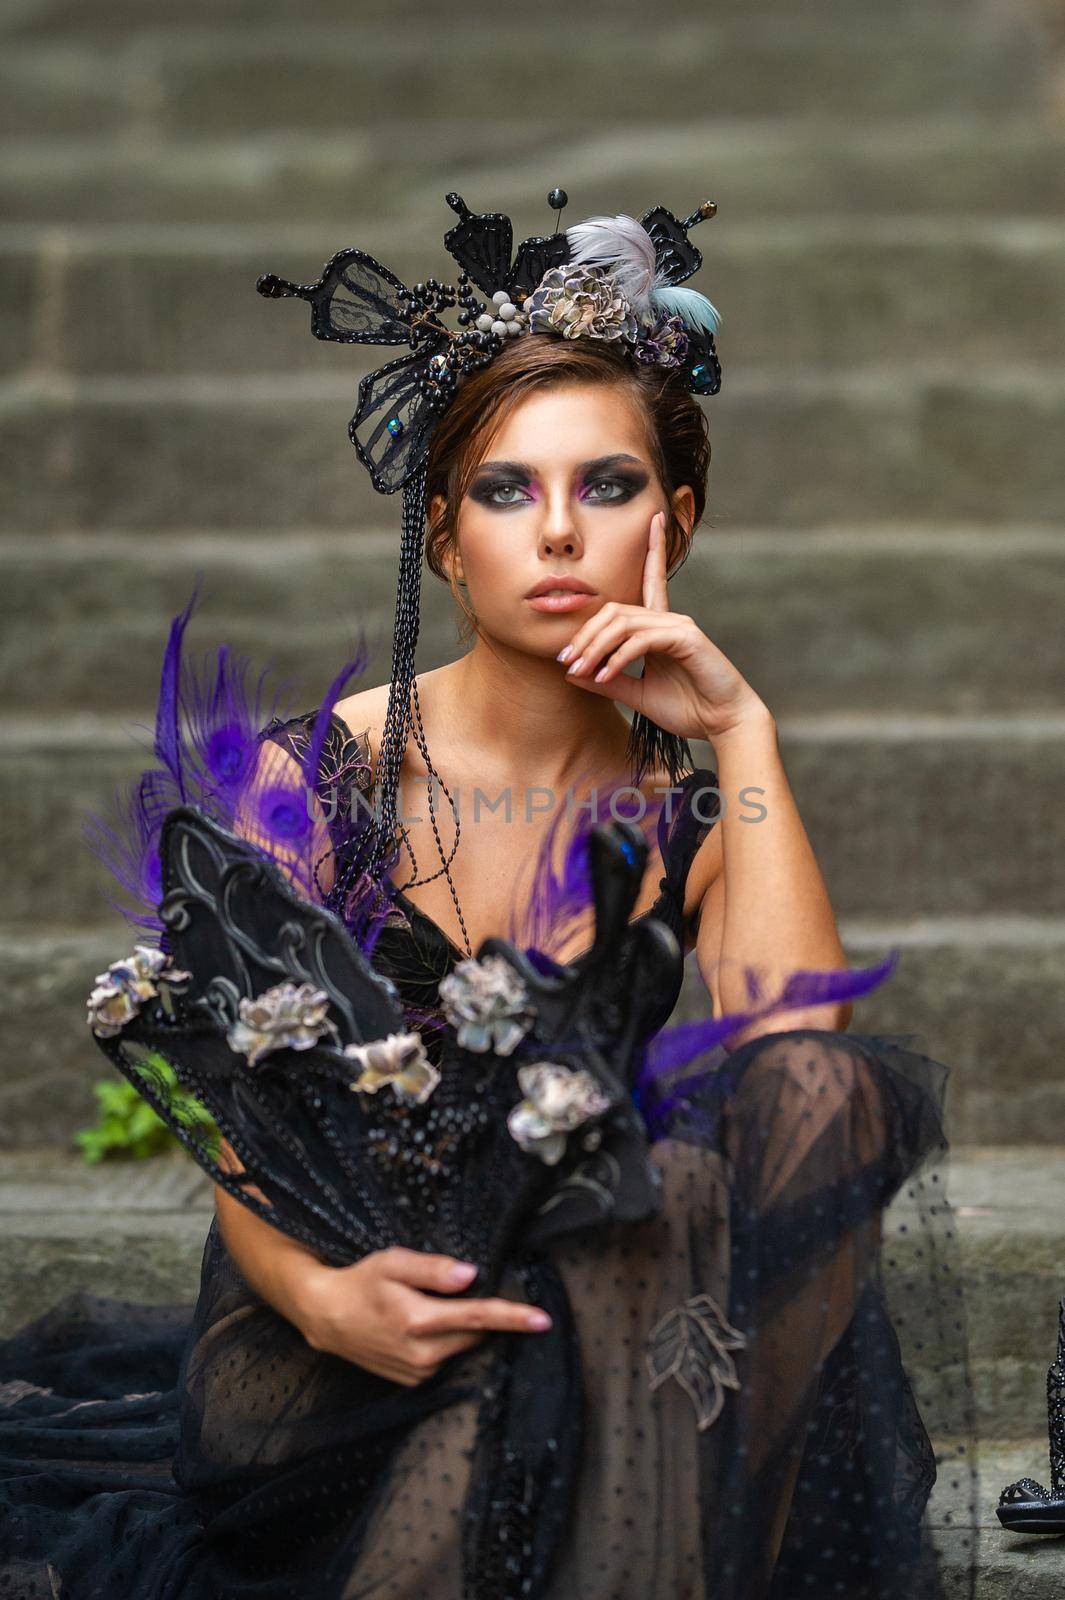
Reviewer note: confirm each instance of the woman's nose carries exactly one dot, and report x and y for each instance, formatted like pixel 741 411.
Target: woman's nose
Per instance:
pixel 558 531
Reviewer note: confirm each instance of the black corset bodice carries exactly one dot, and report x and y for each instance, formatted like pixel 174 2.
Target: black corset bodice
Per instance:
pixel 414 951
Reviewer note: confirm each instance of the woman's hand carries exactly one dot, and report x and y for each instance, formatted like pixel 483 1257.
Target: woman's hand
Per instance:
pixel 689 687
pixel 380 1314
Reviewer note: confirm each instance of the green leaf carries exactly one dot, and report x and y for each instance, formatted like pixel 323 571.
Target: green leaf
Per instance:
pixel 129 1127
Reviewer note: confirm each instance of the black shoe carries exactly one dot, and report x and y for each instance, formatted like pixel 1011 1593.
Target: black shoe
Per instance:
pixel 1025 1506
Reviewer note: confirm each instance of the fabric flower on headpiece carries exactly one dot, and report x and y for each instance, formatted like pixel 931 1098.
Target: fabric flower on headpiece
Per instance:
pixel 127 984
pixel 585 303
pixel 664 345
pixel 398 1059
pixel 557 1100
pixel 286 1016
pixel 488 1004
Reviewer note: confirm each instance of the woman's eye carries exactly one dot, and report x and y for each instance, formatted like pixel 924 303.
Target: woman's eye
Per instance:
pixel 498 494
pixel 616 490
pixel 511 491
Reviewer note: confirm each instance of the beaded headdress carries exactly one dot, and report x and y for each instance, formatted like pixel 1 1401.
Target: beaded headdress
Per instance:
pixel 618 279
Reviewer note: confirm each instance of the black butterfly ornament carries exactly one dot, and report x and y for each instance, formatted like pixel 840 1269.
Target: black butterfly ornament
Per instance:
pixel 678 259
pixel 356 301
pixel 359 301
pixel 482 242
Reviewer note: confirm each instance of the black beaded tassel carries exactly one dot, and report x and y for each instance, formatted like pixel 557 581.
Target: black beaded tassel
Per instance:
pixel 377 849
pixel 404 649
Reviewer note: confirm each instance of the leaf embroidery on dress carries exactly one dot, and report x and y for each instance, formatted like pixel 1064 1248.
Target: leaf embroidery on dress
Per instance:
pixel 691 1343
pixel 17 1389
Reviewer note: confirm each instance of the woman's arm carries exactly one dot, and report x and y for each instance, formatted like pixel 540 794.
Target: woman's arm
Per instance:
pixel 283 1272
pixel 766 905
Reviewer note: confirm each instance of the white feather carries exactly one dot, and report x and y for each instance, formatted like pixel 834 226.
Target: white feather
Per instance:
pixel 689 305
pixel 623 247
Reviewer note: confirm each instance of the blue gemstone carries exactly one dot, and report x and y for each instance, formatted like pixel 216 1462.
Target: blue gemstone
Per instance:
pixel 627 851
pixel 699 371
pixel 395 427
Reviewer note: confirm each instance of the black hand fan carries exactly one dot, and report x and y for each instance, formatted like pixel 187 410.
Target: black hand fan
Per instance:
pixel 269 1015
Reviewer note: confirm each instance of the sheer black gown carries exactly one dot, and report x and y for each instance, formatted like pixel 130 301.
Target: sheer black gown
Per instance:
pixel 775 1399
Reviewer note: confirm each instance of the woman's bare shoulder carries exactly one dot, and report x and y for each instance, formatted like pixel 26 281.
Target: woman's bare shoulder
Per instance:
pixel 364 712
pixel 364 715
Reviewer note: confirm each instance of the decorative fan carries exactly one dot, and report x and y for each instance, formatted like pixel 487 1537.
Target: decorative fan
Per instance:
pixel 272 1018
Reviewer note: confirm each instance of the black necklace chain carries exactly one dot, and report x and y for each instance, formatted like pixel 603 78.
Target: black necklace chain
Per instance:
pixel 418 729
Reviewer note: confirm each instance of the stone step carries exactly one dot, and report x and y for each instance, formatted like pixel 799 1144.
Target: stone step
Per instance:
pixel 892 442
pixel 74 22
pixel 766 598
pixel 755 168
pixel 1012 1566
pixel 136 1230
pixel 809 293
pixel 941 799
pixel 960 983
pixel 224 78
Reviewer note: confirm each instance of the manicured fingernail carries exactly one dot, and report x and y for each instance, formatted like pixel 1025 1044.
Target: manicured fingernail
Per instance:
pixel 463 1272
pixel 565 653
pixel 601 674
pixel 539 1319
pixel 575 666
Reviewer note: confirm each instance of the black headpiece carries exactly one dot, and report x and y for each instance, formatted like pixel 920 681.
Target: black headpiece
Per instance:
pixel 616 279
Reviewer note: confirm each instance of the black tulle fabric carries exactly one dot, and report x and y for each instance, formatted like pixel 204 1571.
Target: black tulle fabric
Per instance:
pixel 766 1390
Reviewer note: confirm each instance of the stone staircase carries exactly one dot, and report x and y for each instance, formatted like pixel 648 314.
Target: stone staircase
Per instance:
pixel 883 555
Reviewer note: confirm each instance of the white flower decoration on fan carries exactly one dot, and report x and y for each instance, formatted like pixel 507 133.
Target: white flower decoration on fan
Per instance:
pixel 122 990
pixel 293 1016
pixel 487 1003
pixel 398 1059
pixel 557 1100
pixel 286 1016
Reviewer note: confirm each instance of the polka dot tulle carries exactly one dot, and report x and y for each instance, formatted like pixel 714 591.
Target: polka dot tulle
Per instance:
pixel 760 1392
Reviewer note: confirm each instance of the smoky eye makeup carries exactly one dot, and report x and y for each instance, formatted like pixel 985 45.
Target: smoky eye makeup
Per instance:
pixel 502 489
pixel 602 483
pixel 612 488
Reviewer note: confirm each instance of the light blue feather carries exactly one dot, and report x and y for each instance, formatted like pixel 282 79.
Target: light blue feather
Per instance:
pixel 689 305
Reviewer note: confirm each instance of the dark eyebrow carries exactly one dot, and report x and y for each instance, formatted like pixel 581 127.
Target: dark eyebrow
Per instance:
pixel 522 469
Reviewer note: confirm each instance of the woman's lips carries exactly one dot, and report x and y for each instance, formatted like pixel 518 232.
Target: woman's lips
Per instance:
pixel 560 600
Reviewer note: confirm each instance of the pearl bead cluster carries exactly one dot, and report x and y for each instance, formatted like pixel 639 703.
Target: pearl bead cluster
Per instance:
pixel 507 321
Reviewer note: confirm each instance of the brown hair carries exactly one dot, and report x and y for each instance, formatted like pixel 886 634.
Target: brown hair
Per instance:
pixel 676 430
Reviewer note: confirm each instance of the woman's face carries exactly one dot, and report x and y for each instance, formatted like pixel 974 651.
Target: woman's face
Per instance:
pixel 566 488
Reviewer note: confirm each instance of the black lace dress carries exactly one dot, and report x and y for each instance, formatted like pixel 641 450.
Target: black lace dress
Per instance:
pixel 774 1395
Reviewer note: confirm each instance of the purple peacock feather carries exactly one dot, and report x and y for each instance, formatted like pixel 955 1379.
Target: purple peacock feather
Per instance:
pixel 658 1088
pixel 208 748
pixel 559 900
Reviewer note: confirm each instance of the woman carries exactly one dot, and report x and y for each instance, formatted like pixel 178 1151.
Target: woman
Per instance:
pixel 747 1424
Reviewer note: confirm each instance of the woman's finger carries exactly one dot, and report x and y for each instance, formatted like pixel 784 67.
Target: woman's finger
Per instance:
pixel 498 1313
pixel 607 615
pixel 630 649
pixel 655 582
pixel 420 1269
pixel 602 640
